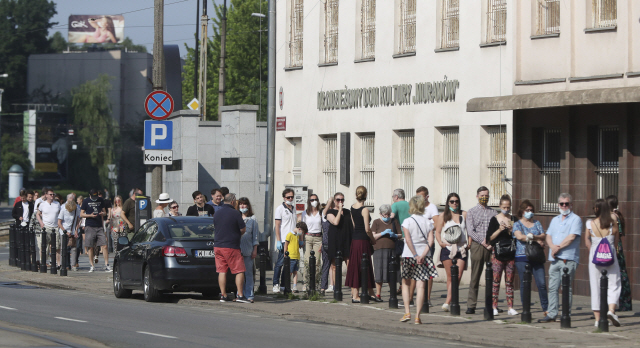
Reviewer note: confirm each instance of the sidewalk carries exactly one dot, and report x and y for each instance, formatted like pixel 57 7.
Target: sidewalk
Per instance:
pixel 504 331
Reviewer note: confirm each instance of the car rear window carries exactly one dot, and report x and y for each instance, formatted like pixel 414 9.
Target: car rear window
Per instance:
pixel 191 230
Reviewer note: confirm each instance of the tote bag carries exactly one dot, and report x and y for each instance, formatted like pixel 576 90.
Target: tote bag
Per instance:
pixel 604 253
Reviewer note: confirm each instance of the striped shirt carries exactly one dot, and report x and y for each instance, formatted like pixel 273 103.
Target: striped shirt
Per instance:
pixel 478 219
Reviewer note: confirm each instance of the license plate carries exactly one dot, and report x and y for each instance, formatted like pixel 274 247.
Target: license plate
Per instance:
pixel 205 253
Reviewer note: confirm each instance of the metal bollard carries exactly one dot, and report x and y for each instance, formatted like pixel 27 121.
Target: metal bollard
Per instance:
pixel 525 316
pixel 43 251
pixel 18 248
pixel 337 288
pixel 54 268
pixel 603 323
pixel 263 272
pixel 364 279
pixel 565 320
pixel 286 270
pixel 63 255
pixel 23 250
pixel 392 274
pixel 312 273
pixel 32 236
pixel 488 293
pixel 12 245
pixel 425 304
pixel 454 308
pixel 27 251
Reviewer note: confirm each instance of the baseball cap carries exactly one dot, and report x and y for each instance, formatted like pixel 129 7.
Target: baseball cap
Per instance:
pixel 93 192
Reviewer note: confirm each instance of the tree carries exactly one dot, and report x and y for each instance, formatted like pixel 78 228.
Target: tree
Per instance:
pixel 243 63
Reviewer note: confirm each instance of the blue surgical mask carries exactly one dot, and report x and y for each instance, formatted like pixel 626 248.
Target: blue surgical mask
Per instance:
pixel 385 219
pixel 528 214
pixel 455 210
pixel 244 210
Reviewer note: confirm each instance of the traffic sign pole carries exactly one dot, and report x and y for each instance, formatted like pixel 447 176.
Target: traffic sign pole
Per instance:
pixel 158 80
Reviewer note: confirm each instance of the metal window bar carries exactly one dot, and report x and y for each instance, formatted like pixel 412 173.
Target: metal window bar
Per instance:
pixel 407 42
pixel 296 170
pixel 450 32
pixel 497 163
pixel 608 164
pixel 296 33
pixel 368 28
pixel 367 168
pixel 548 17
pixel 604 13
pixel 331 31
pixel 450 161
pixel 407 156
pixel 496 21
pixel 550 171
pixel 330 169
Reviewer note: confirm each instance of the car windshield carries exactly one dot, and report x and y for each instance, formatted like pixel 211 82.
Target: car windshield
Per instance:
pixel 192 230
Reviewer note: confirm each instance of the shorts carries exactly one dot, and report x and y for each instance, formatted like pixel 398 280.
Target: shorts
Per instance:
pixel 445 254
pixel 228 258
pixel 94 236
pixel 294 265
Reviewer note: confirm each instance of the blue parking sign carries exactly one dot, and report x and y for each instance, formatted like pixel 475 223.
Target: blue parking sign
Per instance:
pixel 158 135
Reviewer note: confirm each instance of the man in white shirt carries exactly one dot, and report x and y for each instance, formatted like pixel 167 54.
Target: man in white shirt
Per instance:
pixel 48 219
pixel 431 213
pixel 285 222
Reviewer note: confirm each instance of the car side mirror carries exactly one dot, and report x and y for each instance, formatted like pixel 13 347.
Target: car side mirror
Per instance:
pixel 122 242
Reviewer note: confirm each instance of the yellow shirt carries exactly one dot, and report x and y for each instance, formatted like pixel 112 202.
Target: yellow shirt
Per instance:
pixel 294 246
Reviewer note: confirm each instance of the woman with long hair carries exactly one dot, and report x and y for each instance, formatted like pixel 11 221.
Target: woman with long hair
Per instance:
pixel 624 304
pixel 117 223
pixel 604 226
pixel 105 30
pixel 451 234
pixel 68 221
pixel 361 241
pixel 340 231
pixel 313 238
pixel 248 245
pixel 326 282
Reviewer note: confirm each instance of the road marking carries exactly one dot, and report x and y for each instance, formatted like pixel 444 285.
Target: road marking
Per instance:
pixel 8 308
pixel 155 334
pixel 4 253
pixel 69 319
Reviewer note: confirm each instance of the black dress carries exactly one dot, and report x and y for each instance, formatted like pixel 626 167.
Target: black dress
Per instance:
pixel 360 244
pixel 340 235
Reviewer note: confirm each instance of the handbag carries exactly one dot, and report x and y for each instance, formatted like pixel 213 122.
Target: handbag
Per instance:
pixel 534 252
pixel 72 241
pixel 603 255
pixel 399 242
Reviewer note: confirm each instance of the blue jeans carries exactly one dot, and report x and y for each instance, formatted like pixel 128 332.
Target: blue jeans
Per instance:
pixel 277 271
pixel 537 271
pixel 248 277
pixel 555 281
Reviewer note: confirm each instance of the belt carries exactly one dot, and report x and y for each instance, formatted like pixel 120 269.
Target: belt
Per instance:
pixel 314 234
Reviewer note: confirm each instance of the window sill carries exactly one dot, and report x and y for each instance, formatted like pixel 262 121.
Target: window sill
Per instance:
pixel 595 77
pixel 292 68
pixel 539 82
pixel 402 55
pixel 544 36
pixel 448 49
pixel 493 44
pixel 600 30
pixel 633 74
pixel 364 60
pixel 327 64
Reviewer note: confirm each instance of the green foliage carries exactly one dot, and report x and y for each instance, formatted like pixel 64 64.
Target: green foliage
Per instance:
pixel 244 69
pixel 58 43
pixel 293 297
pixel 12 152
pixel 315 296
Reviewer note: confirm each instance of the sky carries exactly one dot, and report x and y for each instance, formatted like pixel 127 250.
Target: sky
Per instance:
pixel 179 18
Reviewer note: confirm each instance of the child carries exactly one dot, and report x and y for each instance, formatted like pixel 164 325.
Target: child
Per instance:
pixel 292 245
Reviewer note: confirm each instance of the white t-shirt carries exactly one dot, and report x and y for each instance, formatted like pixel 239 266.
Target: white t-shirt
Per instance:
pixel 417 237
pixel 157 213
pixel 314 222
pixel 25 211
pixel 49 213
pixel 430 211
pixel 67 218
pixel 287 220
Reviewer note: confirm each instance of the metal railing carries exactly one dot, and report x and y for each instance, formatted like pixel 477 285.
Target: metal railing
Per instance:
pixel 296 33
pixel 407 42
pixel 406 166
pixel 548 17
pixel 604 13
pixel 496 21
pixel 497 163
pixel 608 162
pixel 367 169
pixel 550 170
pixel 450 161
pixel 368 28
pixel 331 31
pixel 330 169
pixel 450 32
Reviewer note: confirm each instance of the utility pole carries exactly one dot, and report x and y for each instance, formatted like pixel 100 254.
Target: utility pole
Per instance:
pixel 202 93
pixel 158 79
pixel 223 54
pixel 271 122
pixel 195 66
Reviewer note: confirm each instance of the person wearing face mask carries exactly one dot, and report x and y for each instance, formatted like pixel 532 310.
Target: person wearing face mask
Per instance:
pixel 499 235
pixel 527 230
pixel 248 245
pixel 385 231
pixel 313 238
pixel 563 238
pixel 285 223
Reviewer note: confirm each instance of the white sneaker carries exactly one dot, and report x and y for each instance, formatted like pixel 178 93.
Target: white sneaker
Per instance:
pixel 614 318
pixel 107 269
pixel 276 289
pixel 91 269
pixel 75 269
pixel 330 288
pixel 495 311
pixel 445 307
pixel 512 311
pixel 596 324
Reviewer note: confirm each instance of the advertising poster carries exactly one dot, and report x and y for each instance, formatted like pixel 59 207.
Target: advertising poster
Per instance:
pixel 96 29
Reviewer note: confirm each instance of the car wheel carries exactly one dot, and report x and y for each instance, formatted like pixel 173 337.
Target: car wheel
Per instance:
pixel 151 294
pixel 118 290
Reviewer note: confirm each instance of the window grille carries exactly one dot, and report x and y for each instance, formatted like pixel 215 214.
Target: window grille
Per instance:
pixel 608 165
pixel 407 26
pixel 497 163
pixel 331 31
pixel 367 169
pixel 496 21
pixel 550 171
pixel 297 162
pixel 548 17
pixel 330 169
pixel 450 32
pixel 604 13
pixel 296 33
pixel 450 161
pixel 406 167
pixel 368 28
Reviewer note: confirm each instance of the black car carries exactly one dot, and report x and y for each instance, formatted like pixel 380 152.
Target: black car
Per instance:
pixel 172 254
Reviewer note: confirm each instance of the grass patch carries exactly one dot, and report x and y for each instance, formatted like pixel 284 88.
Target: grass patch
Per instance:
pixel 597 330
pixel 523 323
pixel 281 296
pixel 334 301
pixel 293 297
pixel 314 296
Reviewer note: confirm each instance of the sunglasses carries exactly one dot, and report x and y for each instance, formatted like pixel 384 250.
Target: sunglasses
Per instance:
pixel 564 204
pixel 313 200
pixel 454 202
pixel 339 200
pixel 175 207
pixel 289 197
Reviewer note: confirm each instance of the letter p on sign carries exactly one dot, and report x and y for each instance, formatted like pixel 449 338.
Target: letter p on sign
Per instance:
pixel 158 135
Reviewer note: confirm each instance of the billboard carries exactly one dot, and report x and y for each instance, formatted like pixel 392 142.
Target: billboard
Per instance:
pixel 96 29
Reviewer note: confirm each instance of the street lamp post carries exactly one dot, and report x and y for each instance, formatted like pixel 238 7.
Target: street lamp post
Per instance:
pixel 260 15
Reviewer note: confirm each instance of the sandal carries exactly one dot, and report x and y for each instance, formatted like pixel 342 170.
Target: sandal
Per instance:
pixel 418 321
pixel 405 318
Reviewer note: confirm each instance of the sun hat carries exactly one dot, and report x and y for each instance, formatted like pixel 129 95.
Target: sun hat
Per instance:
pixel 164 198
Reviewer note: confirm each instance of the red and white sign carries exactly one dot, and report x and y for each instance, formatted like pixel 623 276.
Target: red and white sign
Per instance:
pixel 281 96
pixel 70 132
pixel 158 105
pixel 281 124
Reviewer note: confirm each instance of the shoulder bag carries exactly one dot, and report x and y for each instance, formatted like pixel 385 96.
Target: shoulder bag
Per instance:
pixel 603 255
pixel 421 232
pixel 533 250
pixel 399 242
pixel 505 249
pixel 72 239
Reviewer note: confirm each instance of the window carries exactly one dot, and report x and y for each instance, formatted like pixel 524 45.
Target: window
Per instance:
pixel 607 169
pixel 604 13
pixel 295 33
pixel 330 169
pixel 550 171
pixel 367 169
pixel 331 31
pixel 548 17
pixel 368 28
pixel 496 21
pixel 497 163
pixel 450 161
pixel 407 42
pixel 406 166
pixel 296 170
pixel 450 27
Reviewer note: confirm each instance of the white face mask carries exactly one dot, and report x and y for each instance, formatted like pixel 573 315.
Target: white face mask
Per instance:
pixel 288 202
pixel 565 212
pixel 314 204
pixel 505 212
pixel 244 210
pixel 528 214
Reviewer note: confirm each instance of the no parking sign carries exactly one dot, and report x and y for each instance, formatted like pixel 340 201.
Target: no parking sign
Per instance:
pixel 158 105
